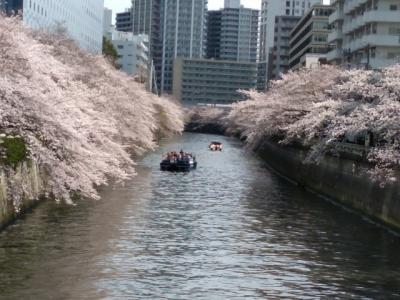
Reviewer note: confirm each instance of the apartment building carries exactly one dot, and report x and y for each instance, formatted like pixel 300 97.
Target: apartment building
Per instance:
pixel 183 27
pixel 212 81
pixel 133 53
pixel 124 21
pixel 309 38
pixel 279 60
pixel 176 28
pixel 232 3
pixel 366 33
pixel 232 33
pixel 269 10
pixel 232 36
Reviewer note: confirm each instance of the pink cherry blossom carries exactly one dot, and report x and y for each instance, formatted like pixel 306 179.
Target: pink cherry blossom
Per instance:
pixel 323 108
pixel 83 121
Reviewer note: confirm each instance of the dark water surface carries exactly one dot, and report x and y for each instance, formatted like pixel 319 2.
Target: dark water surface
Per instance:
pixel 229 230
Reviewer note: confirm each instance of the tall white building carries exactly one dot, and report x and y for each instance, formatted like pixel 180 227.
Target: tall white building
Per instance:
pixel 308 39
pixel 83 19
pixel 107 20
pixel 133 50
pixel 269 10
pixel 232 34
pixel 133 53
pixel 366 33
pixel 232 4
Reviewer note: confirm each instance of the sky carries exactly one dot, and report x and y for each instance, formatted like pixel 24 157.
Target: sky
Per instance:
pixel 120 5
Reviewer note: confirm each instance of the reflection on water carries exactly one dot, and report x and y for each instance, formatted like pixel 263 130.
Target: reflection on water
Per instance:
pixel 229 230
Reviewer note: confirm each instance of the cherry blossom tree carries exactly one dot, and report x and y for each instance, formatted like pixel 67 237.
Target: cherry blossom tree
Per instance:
pixel 82 120
pixel 320 109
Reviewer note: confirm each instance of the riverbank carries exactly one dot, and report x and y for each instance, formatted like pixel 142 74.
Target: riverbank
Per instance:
pixel 21 189
pixel 340 179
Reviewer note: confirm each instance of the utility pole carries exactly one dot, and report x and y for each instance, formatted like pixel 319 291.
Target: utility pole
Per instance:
pixel 347 55
pixel 367 65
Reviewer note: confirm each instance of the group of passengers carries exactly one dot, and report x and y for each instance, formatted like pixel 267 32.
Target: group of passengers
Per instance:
pixel 181 155
pixel 215 147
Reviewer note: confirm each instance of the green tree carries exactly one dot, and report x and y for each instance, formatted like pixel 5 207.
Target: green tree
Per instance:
pixel 110 52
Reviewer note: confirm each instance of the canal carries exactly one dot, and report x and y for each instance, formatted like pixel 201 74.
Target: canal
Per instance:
pixel 229 230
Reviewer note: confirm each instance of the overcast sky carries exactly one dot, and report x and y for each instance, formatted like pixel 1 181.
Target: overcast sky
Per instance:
pixel 120 5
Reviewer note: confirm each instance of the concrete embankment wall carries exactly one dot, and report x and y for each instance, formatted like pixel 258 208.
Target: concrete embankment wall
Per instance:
pixel 339 179
pixel 20 189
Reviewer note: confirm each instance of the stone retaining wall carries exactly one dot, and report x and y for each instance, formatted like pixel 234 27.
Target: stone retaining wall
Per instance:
pixel 339 179
pixel 20 189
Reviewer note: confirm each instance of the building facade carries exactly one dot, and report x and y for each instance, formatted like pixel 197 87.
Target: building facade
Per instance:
pixel 176 28
pixel 133 53
pixel 211 81
pixel 142 14
pixel 147 19
pixel 11 6
pixel 183 29
pixel 309 38
pixel 232 33
pixel 232 3
pixel 83 20
pixel 107 21
pixel 279 60
pixel 366 33
pixel 269 10
pixel 124 21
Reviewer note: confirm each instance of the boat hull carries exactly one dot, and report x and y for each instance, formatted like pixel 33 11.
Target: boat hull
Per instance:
pixel 177 166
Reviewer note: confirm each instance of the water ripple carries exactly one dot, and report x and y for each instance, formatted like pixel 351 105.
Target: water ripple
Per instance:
pixel 229 230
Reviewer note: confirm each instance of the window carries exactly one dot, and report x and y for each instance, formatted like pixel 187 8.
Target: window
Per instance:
pixel 120 47
pixel 393 7
pixel 394 31
pixel 320 38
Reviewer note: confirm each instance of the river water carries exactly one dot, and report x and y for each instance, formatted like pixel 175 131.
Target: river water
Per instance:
pixel 229 230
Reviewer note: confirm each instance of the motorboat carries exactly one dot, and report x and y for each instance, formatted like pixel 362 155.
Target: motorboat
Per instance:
pixel 215 146
pixel 178 162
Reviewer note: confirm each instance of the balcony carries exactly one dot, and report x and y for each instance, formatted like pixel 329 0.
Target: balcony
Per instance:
pixel 353 24
pixel 334 54
pixel 335 35
pixel 381 40
pixel 336 16
pixel 373 40
pixel 354 45
pixel 350 5
pixel 381 16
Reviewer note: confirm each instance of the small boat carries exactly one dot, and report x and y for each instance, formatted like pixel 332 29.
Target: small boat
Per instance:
pixel 178 162
pixel 215 146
